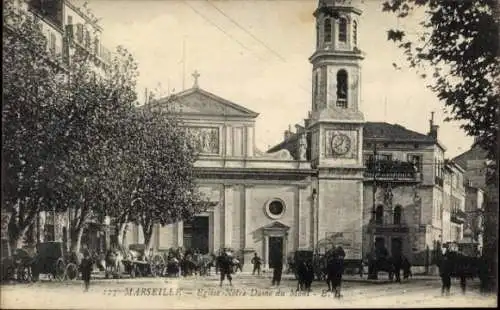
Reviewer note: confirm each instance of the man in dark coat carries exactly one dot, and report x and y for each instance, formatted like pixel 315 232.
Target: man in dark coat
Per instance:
pixel 225 263
pixel 256 261
pixel 277 270
pixel 445 270
pixel 335 270
pixel 305 275
pixel 86 269
pixel 397 261
pixel 406 265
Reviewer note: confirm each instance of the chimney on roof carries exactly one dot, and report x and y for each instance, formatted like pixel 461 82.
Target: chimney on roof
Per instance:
pixel 433 129
pixel 288 133
pixel 307 121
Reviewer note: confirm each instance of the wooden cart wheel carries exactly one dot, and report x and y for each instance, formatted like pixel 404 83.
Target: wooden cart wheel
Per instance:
pixel 71 271
pixel 156 266
pixel 25 273
pixel 59 269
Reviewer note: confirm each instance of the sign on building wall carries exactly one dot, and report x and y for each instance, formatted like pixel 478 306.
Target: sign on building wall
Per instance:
pixel 206 139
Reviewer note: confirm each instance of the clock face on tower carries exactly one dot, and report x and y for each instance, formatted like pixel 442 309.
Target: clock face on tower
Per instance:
pixel 340 144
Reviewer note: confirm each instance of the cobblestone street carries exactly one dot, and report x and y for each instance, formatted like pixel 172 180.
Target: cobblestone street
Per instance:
pixel 247 292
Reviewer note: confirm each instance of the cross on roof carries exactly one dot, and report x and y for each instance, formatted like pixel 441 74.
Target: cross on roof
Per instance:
pixel 196 75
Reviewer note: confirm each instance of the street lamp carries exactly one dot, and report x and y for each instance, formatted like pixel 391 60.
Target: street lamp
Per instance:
pixel 372 223
pixel 313 197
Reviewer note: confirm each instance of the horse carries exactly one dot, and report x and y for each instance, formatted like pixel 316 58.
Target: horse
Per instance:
pixel 113 261
pixel 382 264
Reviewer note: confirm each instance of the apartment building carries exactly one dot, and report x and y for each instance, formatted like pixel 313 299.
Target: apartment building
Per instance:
pixel 68 29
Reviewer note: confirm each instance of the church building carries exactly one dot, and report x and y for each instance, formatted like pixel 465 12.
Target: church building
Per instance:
pixel 318 187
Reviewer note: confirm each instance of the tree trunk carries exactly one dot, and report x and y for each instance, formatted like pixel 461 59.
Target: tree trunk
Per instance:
pixel 16 242
pixel 76 239
pixel 121 234
pixel 490 235
pixel 17 231
pixel 148 238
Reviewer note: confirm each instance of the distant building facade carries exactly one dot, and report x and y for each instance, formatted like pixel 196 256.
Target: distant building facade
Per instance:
pixel 474 162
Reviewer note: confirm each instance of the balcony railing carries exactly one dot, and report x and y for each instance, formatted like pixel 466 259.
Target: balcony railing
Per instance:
pixel 392 175
pixel 391 228
pixel 458 216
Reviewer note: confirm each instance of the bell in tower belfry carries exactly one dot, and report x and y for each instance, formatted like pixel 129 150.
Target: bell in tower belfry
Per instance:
pixel 336 60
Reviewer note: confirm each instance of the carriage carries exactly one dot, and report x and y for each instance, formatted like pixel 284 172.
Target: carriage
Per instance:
pixel 16 265
pixel 137 263
pixel 52 259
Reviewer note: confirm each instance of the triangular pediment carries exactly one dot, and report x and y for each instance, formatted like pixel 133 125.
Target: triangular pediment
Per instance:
pixel 277 225
pixel 196 101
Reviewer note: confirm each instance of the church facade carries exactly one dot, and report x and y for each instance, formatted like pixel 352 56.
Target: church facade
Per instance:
pixel 317 188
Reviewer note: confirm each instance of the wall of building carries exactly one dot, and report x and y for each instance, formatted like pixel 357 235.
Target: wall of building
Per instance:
pixel 341 211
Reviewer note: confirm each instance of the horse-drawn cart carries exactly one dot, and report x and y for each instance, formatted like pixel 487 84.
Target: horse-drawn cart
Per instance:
pixel 53 260
pixel 136 263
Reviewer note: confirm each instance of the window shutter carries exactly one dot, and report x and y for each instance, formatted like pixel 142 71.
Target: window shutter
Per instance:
pixel 79 33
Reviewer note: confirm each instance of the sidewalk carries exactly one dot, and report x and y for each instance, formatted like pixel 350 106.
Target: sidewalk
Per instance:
pixel 382 278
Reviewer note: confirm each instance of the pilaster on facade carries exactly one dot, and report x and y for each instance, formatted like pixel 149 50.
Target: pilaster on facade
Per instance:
pixel 180 233
pixel 228 214
pixel 247 241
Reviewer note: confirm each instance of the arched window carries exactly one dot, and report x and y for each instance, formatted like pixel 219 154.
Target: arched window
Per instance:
pixel 379 215
pixel 354 33
pixel 328 30
pixel 397 215
pixel 343 30
pixel 342 88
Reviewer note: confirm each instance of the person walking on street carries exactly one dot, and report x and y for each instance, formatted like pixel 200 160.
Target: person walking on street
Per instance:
pixel 256 264
pixel 86 269
pixel 445 266
pixel 277 270
pixel 225 267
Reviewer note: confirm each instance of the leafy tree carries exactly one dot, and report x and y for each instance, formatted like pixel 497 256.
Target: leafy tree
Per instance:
pixel 97 106
pixel 30 100
pixel 457 52
pixel 160 157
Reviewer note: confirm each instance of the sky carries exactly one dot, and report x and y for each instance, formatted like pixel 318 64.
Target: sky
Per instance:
pixel 255 53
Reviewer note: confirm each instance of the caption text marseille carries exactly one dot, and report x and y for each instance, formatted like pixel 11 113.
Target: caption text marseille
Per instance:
pixel 211 292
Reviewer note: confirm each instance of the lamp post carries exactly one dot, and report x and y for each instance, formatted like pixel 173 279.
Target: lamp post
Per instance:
pixel 372 223
pixel 316 238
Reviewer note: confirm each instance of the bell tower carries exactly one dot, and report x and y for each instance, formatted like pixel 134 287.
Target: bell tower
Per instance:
pixel 335 124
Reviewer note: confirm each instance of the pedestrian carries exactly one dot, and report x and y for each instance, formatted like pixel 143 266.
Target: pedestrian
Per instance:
pixel 86 269
pixel 339 270
pixel 225 267
pixel 445 269
pixel 406 265
pixel 256 261
pixel 277 270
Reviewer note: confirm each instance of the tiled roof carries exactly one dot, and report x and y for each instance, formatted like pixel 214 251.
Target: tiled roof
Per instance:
pixel 382 130
pixel 371 130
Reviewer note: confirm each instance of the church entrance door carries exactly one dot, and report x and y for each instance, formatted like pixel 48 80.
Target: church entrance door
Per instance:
pixel 196 234
pixel 275 250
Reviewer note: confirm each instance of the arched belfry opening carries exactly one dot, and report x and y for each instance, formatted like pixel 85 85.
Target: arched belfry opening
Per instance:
pixel 342 88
